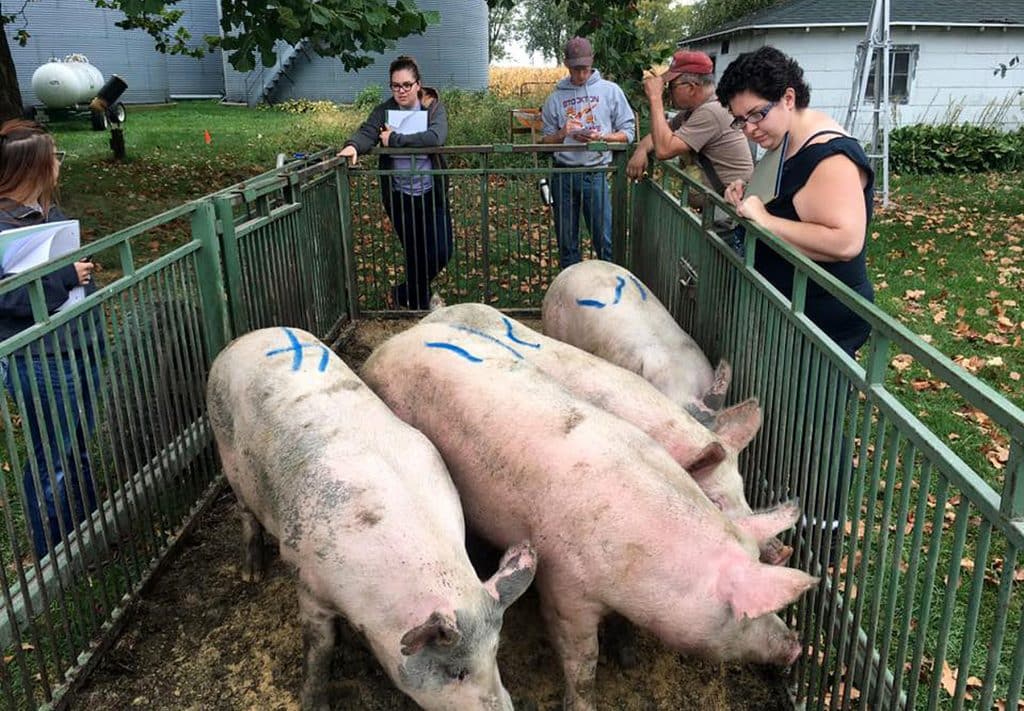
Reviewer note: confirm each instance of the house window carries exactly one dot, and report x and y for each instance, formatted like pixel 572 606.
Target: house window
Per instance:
pixel 902 61
pixel 725 47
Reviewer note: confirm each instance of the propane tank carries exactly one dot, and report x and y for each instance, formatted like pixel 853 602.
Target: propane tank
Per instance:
pixel 63 83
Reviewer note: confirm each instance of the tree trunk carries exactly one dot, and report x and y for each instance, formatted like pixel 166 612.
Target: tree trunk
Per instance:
pixel 10 94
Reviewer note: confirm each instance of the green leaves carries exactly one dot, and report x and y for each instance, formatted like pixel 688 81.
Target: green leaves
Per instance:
pixel 954 148
pixel 345 29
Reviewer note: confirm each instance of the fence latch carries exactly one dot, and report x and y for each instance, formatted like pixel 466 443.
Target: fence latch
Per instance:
pixel 687 276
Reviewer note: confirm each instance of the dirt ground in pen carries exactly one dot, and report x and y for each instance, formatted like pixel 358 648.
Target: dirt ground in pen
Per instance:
pixel 203 639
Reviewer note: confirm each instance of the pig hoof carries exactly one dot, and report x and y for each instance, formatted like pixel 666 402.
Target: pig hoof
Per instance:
pixel 252 575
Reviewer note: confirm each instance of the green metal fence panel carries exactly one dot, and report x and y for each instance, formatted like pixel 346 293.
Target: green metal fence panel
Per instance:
pixel 284 257
pixel 505 251
pixel 920 602
pixel 103 409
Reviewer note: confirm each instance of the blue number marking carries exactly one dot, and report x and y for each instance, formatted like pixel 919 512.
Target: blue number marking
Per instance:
pixel 454 349
pixel 592 303
pixel 296 348
pixel 620 284
pixel 512 337
pixel 639 287
pixel 489 337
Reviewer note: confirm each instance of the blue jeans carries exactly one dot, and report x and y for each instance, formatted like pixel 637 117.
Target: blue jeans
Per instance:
pixel 57 438
pixel 591 192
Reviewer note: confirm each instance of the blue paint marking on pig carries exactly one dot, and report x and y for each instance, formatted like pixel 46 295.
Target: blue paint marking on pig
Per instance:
pixel 639 287
pixel 488 337
pixel 296 348
pixel 454 349
pixel 512 337
pixel 592 303
pixel 620 284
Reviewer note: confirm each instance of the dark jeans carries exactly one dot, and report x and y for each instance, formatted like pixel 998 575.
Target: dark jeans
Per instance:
pixel 424 225
pixel 591 193
pixel 57 438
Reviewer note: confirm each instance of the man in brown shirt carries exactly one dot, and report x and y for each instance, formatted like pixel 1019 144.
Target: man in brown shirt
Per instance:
pixel 700 131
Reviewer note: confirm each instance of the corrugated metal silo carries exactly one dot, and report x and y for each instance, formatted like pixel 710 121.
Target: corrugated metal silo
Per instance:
pixel 450 54
pixel 187 76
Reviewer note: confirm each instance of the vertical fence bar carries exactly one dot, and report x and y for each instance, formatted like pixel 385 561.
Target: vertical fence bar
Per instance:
pixel 211 281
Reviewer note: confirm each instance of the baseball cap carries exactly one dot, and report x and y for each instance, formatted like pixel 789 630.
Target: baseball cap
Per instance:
pixel 579 53
pixel 688 62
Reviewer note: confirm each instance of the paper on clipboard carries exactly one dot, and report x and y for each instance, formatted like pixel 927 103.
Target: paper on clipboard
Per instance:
pixel 767 177
pixel 407 122
pixel 22 248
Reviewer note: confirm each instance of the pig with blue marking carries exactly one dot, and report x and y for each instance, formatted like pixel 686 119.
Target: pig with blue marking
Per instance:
pixel 618 525
pixel 363 507
pixel 711 457
pixel 604 309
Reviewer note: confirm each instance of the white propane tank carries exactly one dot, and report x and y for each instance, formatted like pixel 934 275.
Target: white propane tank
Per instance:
pixel 60 84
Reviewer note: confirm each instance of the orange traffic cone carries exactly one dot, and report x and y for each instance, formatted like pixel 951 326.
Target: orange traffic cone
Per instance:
pixel 207 137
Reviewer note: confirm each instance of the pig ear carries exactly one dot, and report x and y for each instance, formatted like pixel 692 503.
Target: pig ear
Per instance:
pixel 762 525
pixel 437 631
pixel 754 589
pixel 714 398
pixel 515 573
pixel 737 425
pixel 705 461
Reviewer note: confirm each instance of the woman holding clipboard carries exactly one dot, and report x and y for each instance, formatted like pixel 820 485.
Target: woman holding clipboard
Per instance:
pixel 416 203
pixel 57 476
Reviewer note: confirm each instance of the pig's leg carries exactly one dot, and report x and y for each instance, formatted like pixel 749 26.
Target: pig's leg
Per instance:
pixel 572 623
pixel 253 562
pixel 318 638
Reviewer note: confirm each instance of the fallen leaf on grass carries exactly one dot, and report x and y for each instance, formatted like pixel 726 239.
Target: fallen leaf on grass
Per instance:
pixel 902 361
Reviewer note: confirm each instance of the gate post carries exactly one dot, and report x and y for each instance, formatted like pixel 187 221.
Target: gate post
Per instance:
pixel 213 298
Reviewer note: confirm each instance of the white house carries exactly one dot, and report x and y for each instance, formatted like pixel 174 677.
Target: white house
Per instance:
pixel 945 60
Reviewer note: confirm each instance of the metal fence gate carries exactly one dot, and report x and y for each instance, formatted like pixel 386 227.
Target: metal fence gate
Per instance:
pixel 309 245
pixel 926 574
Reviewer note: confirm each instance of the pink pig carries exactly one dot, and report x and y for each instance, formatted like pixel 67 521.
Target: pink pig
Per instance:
pixel 364 509
pixel 618 524
pixel 710 457
pixel 605 310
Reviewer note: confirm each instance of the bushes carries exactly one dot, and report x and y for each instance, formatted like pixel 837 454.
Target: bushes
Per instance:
pixel 954 148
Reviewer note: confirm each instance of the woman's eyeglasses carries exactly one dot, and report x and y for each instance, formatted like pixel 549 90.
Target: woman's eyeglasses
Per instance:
pixel 754 117
pixel 59 155
pixel 402 86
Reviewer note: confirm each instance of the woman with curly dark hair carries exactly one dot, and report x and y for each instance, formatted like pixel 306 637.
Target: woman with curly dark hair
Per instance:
pixel 824 202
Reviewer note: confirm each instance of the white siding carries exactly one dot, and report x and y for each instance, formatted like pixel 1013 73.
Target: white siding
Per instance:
pixel 952 78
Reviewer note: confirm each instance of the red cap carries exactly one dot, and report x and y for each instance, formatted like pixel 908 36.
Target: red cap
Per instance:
pixel 688 62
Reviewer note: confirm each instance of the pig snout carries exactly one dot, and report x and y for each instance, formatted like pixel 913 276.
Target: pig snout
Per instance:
pixel 775 552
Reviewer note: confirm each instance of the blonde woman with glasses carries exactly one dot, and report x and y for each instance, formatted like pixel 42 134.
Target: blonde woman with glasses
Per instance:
pixel 416 203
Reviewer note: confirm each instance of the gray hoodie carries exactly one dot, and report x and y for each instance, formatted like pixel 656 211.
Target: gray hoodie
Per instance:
pixel 598 104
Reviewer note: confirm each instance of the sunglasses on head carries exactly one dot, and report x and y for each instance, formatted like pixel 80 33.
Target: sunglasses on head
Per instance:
pixel 754 117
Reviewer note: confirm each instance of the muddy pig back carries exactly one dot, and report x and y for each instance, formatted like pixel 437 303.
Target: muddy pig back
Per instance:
pixel 364 509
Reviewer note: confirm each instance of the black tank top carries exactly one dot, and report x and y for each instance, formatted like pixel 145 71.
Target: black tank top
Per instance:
pixel 840 323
